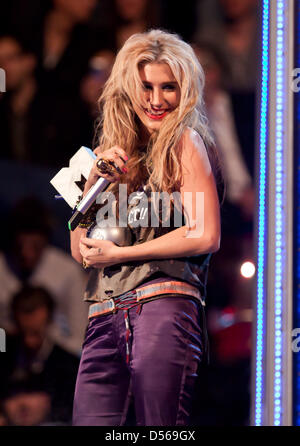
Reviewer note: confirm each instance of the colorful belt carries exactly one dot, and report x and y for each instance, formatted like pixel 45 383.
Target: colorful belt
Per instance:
pixel 149 292
pixel 137 296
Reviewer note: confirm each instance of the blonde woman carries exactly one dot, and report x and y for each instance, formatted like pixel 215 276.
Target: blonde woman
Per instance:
pixel 146 334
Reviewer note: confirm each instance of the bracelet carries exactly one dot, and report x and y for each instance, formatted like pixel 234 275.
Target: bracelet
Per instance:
pixel 89 218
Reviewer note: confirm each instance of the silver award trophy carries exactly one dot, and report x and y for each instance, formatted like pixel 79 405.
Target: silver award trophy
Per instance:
pixel 66 182
pixel 106 228
pixel 118 235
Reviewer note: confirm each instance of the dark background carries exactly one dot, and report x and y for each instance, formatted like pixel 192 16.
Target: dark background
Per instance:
pixel 49 111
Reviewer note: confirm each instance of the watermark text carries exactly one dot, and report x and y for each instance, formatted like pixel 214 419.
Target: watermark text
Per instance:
pixel 2 81
pixel 2 341
pixel 153 211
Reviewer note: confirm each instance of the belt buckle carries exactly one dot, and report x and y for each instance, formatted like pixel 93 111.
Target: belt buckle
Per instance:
pixel 112 306
pixel 114 309
pixel 102 308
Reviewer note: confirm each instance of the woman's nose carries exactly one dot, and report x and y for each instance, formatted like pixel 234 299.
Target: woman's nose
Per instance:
pixel 157 98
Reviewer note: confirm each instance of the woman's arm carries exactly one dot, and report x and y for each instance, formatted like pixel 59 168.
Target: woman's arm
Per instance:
pixel 204 237
pixel 203 234
pixel 75 237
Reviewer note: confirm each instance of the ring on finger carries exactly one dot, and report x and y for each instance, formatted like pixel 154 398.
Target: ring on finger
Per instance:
pixel 103 165
pixel 99 250
pixel 115 166
pixel 84 264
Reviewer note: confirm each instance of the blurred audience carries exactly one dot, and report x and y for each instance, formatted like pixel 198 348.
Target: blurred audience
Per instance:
pixel 67 42
pixel 127 17
pixel 17 104
pixel 3 419
pixel 24 406
pixel 239 188
pixel 22 17
pixel 133 16
pixel 181 17
pixel 28 258
pixel 63 42
pixel 37 375
pixel 236 38
pixel 223 394
pixel 57 55
pixel 100 66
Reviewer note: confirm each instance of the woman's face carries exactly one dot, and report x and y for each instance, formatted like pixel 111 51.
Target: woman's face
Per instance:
pixel 161 93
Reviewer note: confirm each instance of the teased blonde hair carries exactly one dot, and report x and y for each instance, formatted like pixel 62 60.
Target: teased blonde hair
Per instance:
pixel 159 164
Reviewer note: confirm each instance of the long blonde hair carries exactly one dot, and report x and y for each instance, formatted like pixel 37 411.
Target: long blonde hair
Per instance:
pixel 158 163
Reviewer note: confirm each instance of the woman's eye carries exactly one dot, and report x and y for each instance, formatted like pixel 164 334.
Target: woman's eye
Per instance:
pixel 147 87
pixel 169 87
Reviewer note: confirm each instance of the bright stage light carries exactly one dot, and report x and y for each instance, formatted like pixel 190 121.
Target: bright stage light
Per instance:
pixel 247 270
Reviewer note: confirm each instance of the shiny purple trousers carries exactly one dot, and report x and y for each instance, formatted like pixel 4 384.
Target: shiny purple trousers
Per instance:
pixel 166 347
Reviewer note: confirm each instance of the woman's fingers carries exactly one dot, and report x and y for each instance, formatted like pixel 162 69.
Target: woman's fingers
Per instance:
pixel 90 247
pixel 116 155
pixel 96 253
pixel 89 255
pixel 121 153
pixel 83 250
pixel 115 162
pixel 113 150
pixel 92 243
pixel 116 158
pixel 97 150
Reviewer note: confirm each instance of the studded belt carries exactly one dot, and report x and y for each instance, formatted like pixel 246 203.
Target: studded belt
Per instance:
pixel 141 295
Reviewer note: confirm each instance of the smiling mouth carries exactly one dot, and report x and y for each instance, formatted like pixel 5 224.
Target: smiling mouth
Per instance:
pixel 156 115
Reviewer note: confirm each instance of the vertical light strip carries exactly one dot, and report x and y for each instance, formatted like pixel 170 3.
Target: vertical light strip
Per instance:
pixel 296 269
pixel 261 249
pixel 279 230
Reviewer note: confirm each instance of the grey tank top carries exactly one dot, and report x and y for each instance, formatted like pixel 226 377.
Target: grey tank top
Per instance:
pixel 115 280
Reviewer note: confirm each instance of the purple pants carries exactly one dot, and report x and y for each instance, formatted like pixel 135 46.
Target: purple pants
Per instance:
pixel 166 348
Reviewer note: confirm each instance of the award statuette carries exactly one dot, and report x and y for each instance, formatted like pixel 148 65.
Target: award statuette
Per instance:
pixel 66 182
pixel 119 235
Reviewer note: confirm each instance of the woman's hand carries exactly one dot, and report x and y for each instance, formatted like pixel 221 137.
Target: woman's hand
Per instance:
pixel 115 154
pixel 119 157
pixel 99 253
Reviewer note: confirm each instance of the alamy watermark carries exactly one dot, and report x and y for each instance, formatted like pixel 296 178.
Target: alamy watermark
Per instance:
pixel 2 341
pixel 296 341
pixel 2 81
pixel 295 84
pixel 138 214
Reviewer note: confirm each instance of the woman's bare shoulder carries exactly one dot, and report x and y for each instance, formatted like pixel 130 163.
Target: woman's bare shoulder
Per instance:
pixel 193 148
pixel 191 137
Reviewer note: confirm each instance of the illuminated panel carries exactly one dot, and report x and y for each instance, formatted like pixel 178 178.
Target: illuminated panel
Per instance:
pixel 279 235
pixel 261 248
pixel 296 321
